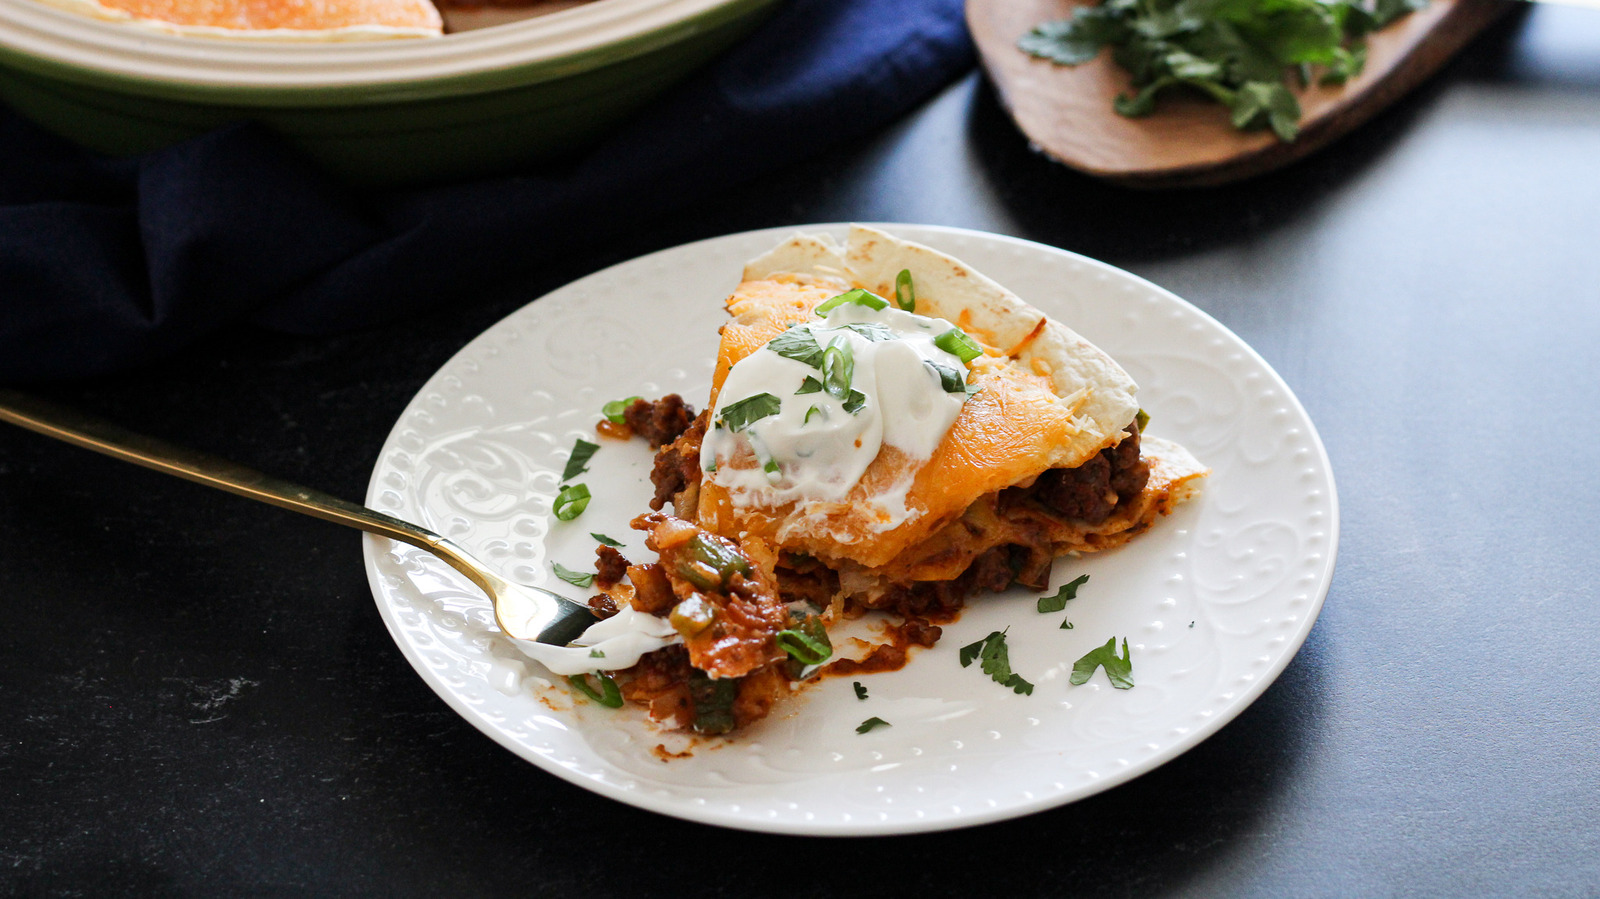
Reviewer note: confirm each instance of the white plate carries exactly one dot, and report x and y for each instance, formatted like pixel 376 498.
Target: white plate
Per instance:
pixel 1213 601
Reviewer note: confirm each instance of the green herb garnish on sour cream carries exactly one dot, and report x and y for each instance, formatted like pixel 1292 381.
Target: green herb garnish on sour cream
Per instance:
pixel 740 415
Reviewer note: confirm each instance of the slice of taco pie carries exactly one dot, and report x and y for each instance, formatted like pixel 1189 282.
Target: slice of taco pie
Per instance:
pixel 887 429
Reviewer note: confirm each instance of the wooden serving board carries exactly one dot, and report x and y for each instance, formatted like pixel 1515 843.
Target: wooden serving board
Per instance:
pixel 1066 110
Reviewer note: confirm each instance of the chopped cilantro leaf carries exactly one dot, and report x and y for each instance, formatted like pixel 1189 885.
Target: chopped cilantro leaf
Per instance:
pixel 1141 420
pixel 995 660
pixel 1068 591
pixel 575 578
pixel 809 385
pixel 949 379
pixel 578 462
pixel 861 692
pixel 611 698
pixel 870 723
pixel 571 502
pixel 797 344
pixel 596 654
pixel 1118 668
pixel 602 538
pixel 1238 52
pixel 744 413
pixel 855 402
pixel 871 330
pixel 1065 626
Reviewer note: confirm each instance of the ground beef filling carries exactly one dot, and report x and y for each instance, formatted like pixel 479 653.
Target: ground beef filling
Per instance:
pixel 1090 492
pixel 609 567
pixel 674 688
pixel 661 421
pixel 677 467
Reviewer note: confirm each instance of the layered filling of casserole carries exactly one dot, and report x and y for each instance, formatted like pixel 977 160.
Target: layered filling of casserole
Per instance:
pixel 887 431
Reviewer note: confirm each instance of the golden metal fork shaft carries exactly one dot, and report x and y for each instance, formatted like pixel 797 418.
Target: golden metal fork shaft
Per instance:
pixel 80 429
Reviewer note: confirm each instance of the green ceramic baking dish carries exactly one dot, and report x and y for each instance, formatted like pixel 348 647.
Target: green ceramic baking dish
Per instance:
pixel 371 112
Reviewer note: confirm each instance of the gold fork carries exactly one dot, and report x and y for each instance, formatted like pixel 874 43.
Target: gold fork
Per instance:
pixel 521 611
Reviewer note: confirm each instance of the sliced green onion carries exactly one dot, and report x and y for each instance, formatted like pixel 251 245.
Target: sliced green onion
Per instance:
pixel 614 410
pixel 611 698
pixel 838 367
pixel 1142 419
pixel 578 462
pixel 571 501
pixel 859 297
pixel 904 293
pixel 956 342
pixel 814 410
pixel 744 413
pixel 575 578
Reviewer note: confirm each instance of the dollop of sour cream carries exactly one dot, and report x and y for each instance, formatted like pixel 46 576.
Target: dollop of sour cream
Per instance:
pixel 817 444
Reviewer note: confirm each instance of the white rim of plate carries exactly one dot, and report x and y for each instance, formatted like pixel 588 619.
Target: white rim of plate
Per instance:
pixel 145 53
pixel 1317 568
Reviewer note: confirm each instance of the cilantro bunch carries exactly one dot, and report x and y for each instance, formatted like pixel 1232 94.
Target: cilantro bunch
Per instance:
pixel 1241 53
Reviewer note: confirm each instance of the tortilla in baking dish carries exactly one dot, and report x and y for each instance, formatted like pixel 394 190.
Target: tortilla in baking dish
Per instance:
pixel 297 20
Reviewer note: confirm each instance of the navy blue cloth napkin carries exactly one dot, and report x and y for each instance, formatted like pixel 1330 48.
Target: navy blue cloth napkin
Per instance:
pixel 107 263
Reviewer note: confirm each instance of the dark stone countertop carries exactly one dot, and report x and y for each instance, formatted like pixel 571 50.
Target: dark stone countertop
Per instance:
pixel 197 696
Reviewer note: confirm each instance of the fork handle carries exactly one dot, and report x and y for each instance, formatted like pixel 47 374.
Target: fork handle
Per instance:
pixel 89 432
